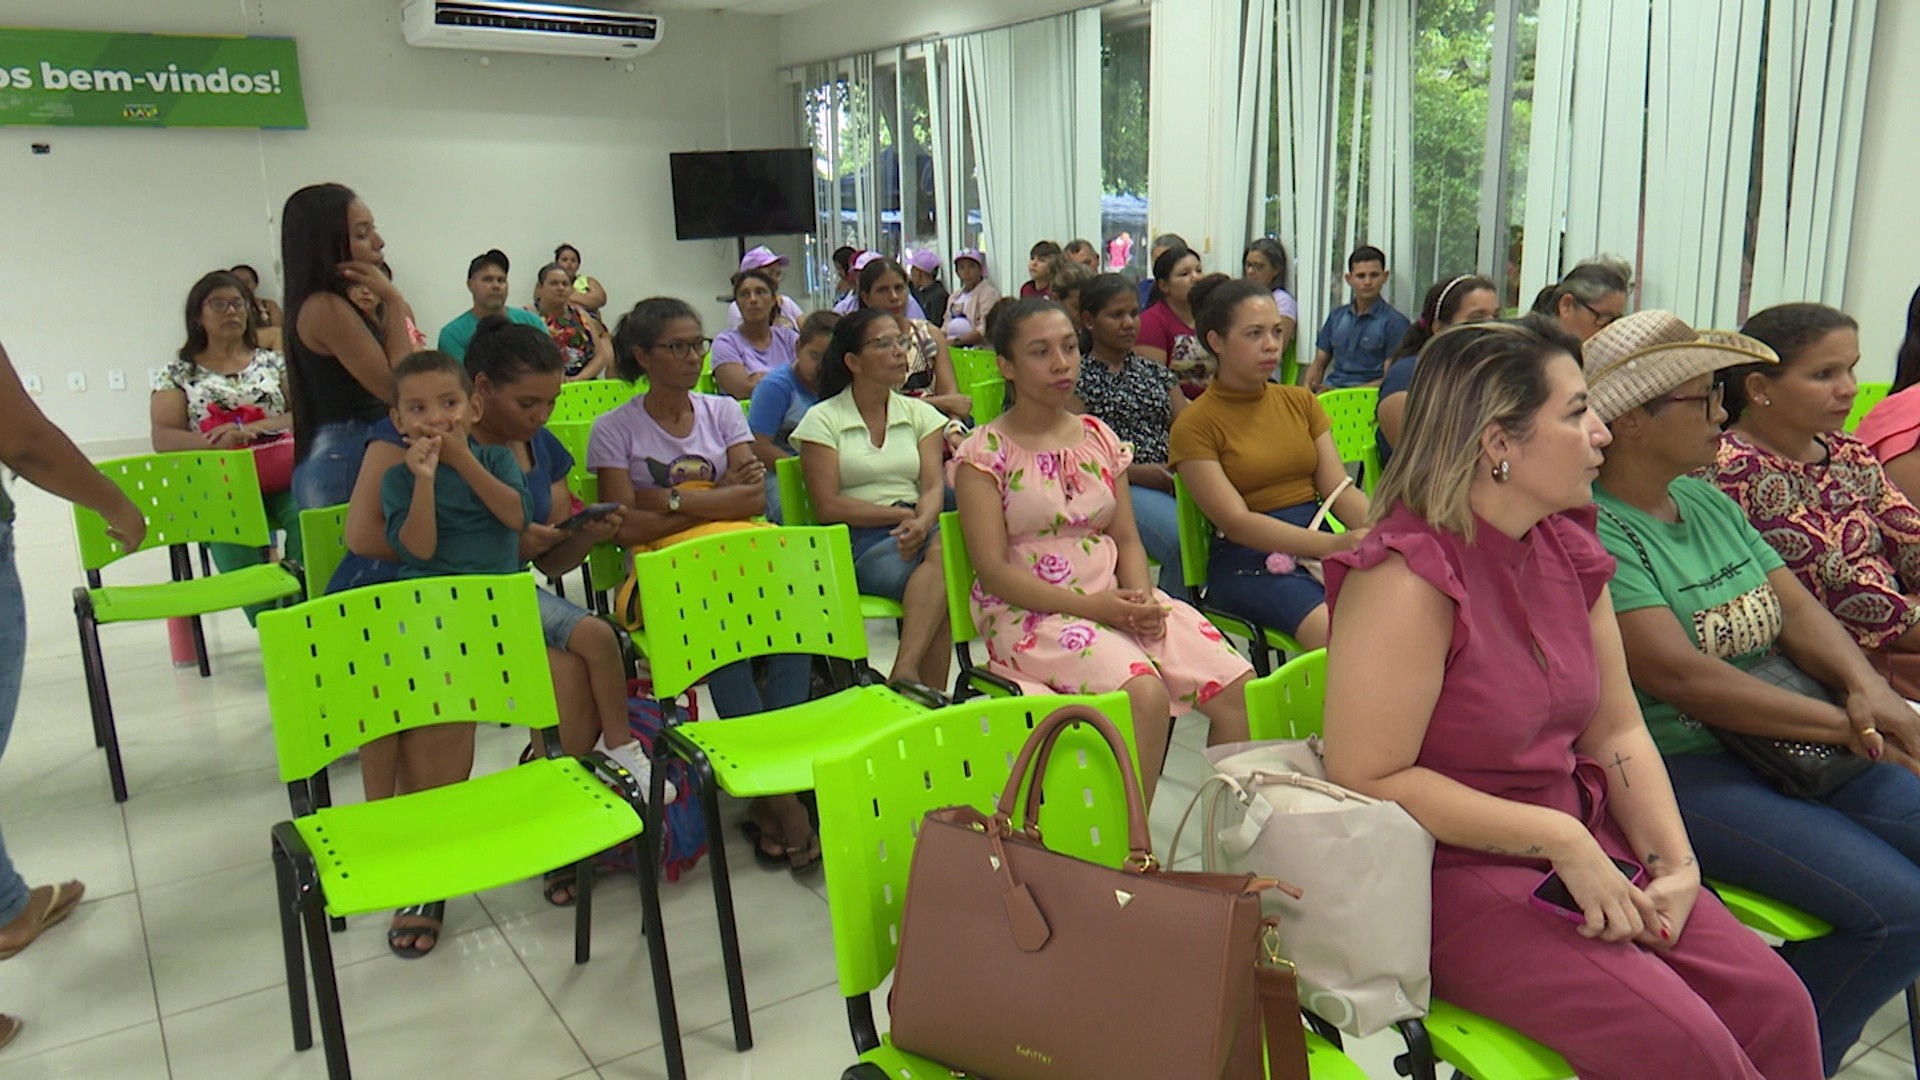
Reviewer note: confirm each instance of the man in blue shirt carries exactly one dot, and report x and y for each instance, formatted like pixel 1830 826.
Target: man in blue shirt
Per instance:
pixel 487 281
pixel 1354 342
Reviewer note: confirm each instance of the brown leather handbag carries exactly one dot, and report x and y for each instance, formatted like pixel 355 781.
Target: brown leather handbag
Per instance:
pixel 1020 963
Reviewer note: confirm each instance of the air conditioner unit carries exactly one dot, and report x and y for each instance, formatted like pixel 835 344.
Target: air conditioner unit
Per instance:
pixel 512 26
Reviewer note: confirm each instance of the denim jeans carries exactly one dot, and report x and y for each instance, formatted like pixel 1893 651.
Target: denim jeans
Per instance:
pixel 1852 859
pixel 734 692
pixel 1156 515
pixel 13 656
pixel 332 464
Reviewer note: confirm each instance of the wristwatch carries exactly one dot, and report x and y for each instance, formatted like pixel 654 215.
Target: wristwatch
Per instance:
pixel 673 500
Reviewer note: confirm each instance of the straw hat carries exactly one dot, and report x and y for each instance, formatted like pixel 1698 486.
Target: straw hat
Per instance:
pixel 1649 354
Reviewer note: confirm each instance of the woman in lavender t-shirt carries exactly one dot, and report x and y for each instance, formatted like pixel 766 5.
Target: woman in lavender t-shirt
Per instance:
pixel 677 459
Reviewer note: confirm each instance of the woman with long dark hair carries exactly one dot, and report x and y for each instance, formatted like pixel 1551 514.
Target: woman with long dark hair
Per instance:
pixel 339 361
pixel 1467 298
pixel 1167 334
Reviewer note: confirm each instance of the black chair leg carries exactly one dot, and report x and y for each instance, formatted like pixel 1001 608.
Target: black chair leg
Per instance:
pixel 296 958
pixel 104 732
pixel 1913 1024
pixel 333 1029
pixel 90 665
pixel 583 910
pixel 647 866
pixel 200 648
pixel 722 898
pixel 206 561
pixel 1418 1062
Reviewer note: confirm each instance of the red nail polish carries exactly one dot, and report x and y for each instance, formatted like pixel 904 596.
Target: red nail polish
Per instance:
pixel 1664 935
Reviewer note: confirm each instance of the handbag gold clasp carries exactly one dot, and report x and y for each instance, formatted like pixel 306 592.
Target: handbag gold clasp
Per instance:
pixel 1270 944
pixel 1144 863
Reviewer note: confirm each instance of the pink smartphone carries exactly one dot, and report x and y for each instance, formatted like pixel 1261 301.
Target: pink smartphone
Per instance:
pixel 1552 897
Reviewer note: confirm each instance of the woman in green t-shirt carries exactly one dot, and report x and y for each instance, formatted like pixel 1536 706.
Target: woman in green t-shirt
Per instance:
pixel 1702 598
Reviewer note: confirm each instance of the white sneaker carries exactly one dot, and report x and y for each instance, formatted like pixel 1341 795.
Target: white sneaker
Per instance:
pixel 631 758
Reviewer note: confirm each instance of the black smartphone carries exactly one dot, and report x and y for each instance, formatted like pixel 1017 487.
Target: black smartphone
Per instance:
pixel 1552 896
pixel 591 513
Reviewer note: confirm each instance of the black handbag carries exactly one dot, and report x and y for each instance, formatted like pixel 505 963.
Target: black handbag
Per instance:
pixel 1804 770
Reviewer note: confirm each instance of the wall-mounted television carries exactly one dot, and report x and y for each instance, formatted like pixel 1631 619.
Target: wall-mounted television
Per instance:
pixel 742 193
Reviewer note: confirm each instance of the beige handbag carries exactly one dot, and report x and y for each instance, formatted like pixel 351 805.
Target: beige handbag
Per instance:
pixel 1360 933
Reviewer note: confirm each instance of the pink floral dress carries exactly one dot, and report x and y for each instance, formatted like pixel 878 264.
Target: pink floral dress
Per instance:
pixel 1058 504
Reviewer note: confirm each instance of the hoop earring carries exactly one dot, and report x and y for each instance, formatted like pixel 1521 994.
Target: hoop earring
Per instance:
pixel 1503 472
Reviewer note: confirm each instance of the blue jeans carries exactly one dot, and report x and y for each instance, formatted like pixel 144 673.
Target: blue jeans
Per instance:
pixel 357 570
pixel 1852 859
pixel 332 464
pixel 1156 515
pixel 1239 583
pixel 734 692
pixel 13 656
pixel 878 568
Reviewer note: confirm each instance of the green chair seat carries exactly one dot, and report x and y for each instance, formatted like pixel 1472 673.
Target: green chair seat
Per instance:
pixel 1770 916
pixel 1480 1047
pixel 1324 1062
pixel 464 838
pixel 771 753
pixel 202 596
pixel 879 607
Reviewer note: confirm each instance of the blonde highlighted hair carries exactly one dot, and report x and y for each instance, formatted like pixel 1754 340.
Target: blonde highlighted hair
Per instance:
pixel 1469 378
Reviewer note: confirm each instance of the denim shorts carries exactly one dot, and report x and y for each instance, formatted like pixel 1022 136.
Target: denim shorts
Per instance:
pixel 332 464
pixel 558 618
pixel 1239 583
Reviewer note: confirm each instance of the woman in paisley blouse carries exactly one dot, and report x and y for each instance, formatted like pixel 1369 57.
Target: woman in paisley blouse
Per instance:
pixel 583 344
pixel 220 371
pixel 1138 399
pixel 1817 494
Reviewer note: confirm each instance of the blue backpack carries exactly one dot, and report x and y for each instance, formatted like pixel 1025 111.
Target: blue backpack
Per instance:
pixel 684 840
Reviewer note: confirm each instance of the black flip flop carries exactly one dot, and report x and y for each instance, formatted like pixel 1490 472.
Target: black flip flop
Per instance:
pixel 557 880
pixel 437 911
pixel 767 859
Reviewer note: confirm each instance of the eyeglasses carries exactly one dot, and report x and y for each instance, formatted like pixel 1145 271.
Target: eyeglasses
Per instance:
pixel 1601 319
pixel 686 350
pixel 1713 398
pixel 889 343
pixel 233 304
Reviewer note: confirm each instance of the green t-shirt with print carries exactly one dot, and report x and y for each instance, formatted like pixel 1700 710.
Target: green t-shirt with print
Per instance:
pixel 1710 570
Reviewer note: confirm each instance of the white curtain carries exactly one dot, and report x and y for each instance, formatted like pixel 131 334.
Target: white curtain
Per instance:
pixel 948 116
pixel 834 94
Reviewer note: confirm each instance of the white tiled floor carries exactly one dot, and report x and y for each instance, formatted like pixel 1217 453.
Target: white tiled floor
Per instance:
pixel 172 966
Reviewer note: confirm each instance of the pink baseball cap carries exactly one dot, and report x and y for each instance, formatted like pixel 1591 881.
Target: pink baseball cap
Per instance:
pixel 975 254
pixel 925 260
pixel 864 259
pixel 759 257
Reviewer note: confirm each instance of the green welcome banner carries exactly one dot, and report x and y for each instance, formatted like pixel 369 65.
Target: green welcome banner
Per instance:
pixel 70 77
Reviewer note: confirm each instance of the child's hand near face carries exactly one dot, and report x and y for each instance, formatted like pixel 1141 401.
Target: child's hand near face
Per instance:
pixel 423 456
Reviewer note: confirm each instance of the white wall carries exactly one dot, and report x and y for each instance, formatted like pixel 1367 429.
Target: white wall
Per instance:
pixel 1882 269
pixel 846 27
pixel 455 153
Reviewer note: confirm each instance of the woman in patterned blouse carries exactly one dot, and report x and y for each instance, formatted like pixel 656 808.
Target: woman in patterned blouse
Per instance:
pixel 583 344
pixel 1138 399
pixel 1817 494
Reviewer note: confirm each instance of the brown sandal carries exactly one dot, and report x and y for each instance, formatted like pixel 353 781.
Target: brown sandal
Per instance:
pixel 61 900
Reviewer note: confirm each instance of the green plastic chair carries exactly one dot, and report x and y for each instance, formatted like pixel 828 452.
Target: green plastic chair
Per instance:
pixel 1290 362
pixel 1196 548
pixel 706 384
pixel 1865 397
pixel 372 662
pixel 1289 704
pixel 956 565
pixel 989 398
pixel 1355 424
pixel 737 596
pixel 193 497
pixel 873 796
pixel 973 365
pixel 796 508
pixel 583 400
pixel 323 545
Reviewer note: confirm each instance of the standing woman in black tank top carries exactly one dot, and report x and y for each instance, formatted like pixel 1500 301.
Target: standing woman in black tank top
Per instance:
pixel 339 362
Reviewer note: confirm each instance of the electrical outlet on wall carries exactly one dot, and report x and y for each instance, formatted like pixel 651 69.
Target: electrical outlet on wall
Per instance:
pixel 34 386
pixel 116 379
pixel 77 381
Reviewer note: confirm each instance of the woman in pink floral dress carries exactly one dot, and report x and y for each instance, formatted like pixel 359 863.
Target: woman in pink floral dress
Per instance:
pixel 1063 600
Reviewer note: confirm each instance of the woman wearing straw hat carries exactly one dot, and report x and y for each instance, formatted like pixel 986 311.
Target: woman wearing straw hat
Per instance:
pixel 1701 599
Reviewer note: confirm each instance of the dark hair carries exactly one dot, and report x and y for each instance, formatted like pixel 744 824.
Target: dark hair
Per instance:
pixel 1067 277
pixel 1045 249
pixel 1167 240
pixel 1163 271
pixel 1012 313
pixel 1095 295
pixel 641 328
pixel 754 274
pixel 1906 370
pixel 816 325
pixel 843 258
pixel 208 284
pixel 1214 299
pixel 1366 253
pixel 427 362
pixel 506 351
pixel 1276 255
pixel 1587 283
pixel 566 247
pixel 871 274
pixel 1077 245
pixel 849 334
pixel 313 244
pixel 541 278
pixel 489 257
pixel 1440 306
pixel 1789 329
pixel 238 269
pixel 993 316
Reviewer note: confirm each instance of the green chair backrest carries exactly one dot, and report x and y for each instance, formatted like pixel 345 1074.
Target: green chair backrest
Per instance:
pixel 1289 703
pixel 583 400
pixel 366 663
pixel 323 545
pixel 971 365
pixel 796 503
pixel 705 384
pixel 1352 411
pixel 956 566
pixel 575 435
pixel 1196 535
pixel 873 797
pixel 1865 398
pixel 989 399
pixel 714 600
pixel 1290 362
pixel 188 497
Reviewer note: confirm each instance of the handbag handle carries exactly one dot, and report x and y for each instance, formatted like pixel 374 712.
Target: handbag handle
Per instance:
pixel 1040 745
pixel 1326 504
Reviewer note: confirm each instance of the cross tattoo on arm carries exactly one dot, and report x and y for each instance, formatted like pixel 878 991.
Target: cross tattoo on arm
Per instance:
pixel 1621 764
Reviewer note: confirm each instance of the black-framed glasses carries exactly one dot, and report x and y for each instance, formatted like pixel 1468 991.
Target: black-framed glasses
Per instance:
pixel 686 350
pixel 228 303
pixel 1601 319
pixel 1713 398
